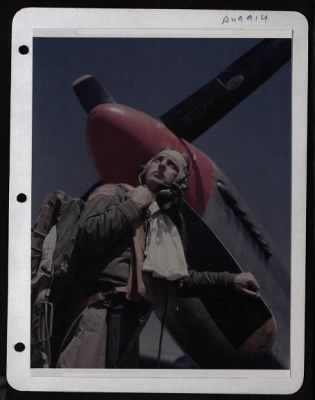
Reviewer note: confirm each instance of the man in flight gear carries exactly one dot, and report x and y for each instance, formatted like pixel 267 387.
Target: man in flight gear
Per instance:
pixel 131 246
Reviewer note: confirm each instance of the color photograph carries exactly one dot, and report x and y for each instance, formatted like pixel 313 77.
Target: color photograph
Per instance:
pixel 161 203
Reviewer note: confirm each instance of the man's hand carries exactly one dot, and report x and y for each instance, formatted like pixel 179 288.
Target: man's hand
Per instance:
pixel 246 283
pixel 141 196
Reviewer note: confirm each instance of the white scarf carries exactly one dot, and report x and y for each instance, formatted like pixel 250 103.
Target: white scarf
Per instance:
pixel 164 253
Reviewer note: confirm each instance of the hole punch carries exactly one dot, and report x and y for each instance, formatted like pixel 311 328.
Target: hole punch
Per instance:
pixel 19 347
pixel 21 198
pixel 24 49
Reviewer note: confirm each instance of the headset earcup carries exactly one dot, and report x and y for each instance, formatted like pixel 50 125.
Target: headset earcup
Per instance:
pixel 182 184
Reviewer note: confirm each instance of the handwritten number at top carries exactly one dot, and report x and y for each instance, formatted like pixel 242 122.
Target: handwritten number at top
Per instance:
pixel 245 18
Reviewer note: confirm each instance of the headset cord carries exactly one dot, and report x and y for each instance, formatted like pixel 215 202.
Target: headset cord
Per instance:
pixel 162 327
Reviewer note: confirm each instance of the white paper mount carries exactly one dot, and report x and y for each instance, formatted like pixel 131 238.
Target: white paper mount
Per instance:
pixel 109 23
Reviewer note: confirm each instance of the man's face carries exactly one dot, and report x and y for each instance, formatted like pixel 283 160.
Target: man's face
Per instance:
pixel 161 172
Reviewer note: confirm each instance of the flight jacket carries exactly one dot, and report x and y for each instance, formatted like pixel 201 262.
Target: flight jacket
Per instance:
pixel 104 245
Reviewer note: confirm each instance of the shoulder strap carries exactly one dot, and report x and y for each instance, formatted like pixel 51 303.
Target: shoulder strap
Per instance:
pixel 46 218
pixel 48 248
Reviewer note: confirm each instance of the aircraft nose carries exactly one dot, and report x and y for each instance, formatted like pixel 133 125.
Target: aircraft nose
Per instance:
pixel 90 93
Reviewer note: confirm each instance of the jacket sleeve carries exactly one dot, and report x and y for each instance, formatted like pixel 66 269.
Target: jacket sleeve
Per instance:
pixel 199 282
pixel 106 219
pixel 207 278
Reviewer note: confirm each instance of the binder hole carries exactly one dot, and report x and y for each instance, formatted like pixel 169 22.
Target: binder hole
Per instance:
pixel 21 198
pixel 23 49
pixel 19 347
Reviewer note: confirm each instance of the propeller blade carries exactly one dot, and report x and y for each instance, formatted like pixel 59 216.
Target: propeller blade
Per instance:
pixel 194 115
